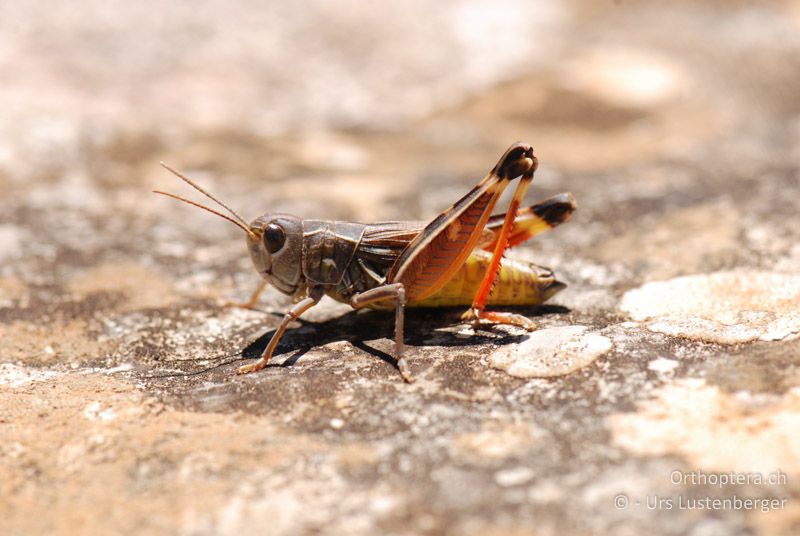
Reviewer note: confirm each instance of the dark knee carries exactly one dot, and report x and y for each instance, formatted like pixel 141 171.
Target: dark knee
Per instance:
pixel 518 159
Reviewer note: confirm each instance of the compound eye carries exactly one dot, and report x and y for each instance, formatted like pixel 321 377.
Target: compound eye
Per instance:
pixel 274 237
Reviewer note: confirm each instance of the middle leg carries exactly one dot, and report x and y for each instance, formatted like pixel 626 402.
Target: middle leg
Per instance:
pixel 252 301
pixel 397 293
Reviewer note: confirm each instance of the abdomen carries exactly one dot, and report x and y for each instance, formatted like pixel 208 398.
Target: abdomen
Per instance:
pixel 518 283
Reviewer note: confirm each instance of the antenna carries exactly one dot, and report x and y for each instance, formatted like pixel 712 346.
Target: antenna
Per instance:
pixel 202 191
pixel 211 210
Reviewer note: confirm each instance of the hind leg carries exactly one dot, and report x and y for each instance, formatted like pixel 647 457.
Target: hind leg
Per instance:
pixel 477 313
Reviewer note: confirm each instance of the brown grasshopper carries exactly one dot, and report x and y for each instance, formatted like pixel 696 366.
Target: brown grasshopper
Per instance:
pixel 456 259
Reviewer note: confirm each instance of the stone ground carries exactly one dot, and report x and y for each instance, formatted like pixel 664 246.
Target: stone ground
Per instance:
pixel 674 348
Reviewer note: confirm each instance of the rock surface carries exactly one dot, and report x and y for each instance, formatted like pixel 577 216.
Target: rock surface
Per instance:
pixel 674 349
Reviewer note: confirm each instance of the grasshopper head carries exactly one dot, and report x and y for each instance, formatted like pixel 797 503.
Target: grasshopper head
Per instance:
pixel 275 241
pixel 276 247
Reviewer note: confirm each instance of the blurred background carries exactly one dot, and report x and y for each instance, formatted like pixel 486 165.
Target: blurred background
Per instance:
pixel 676 125
pixel 634 106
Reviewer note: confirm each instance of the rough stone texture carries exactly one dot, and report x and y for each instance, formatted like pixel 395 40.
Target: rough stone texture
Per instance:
pixel 677 127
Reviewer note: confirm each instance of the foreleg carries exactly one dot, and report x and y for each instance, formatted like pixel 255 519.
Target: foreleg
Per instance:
pixel 314 295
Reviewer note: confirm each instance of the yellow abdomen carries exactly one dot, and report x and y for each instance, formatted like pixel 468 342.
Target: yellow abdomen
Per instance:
pixel 518 283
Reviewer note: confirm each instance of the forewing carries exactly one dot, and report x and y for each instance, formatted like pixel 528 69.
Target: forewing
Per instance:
pixel 435 254
pixel 381 245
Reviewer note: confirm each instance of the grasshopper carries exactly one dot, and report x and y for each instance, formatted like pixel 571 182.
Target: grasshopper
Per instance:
pixel 455 260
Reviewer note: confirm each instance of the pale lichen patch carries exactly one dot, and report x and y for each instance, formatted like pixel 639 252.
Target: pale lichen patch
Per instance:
pixel 551 352
pixel 724 307
pixel 15 376
pixel 714 430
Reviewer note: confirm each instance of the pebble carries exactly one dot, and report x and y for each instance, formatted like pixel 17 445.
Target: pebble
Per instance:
pixel 337 424
pixel 662 365
pixel 514 476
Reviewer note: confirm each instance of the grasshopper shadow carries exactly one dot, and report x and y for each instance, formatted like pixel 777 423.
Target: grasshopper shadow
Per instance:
pixel 423 327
